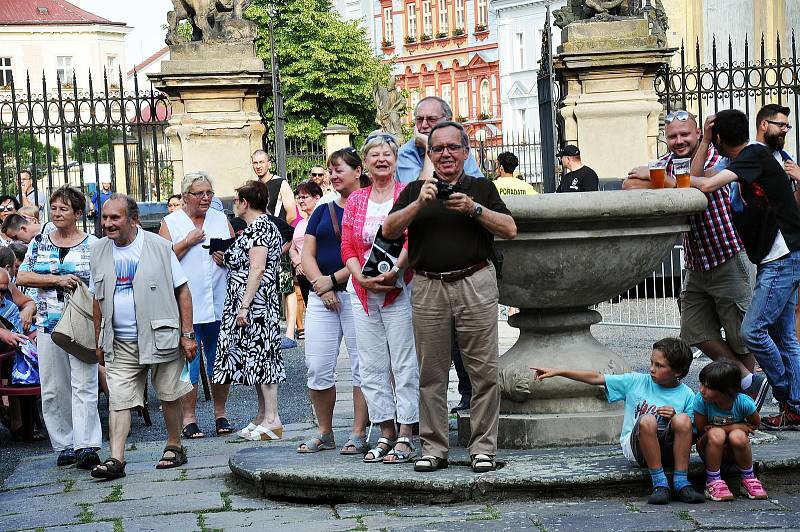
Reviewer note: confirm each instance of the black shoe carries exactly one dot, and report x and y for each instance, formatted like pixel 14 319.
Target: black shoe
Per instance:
pixel 758 390
pixel 463 405
pixel 689 495
pixel 86 458
pixel 660 495
pixel 66 457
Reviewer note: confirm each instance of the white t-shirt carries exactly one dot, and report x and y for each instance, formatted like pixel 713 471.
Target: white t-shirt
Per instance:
pixel 376 214
pixel 126 261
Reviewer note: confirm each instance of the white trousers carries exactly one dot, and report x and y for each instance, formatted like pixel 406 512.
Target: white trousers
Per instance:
pixel 69 397
pixel 385 340
pixel 324 332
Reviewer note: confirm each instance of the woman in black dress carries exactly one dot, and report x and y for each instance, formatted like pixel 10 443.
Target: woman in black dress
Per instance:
pixel 249 349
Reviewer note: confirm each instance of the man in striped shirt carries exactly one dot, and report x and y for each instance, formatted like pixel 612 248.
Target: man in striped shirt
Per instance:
pixel 718 284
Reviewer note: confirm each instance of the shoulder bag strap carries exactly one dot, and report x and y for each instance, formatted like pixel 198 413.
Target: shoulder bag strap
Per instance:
pixel 334 221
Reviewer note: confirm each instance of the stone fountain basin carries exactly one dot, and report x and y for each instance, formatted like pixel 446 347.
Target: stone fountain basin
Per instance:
pixel 576 250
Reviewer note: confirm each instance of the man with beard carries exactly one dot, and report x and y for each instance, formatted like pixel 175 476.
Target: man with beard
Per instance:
pixel 772 125
pixel 717 287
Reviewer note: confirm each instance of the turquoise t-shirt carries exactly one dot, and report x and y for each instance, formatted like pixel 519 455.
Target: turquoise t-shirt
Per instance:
pixel 643 396
pixel 743 406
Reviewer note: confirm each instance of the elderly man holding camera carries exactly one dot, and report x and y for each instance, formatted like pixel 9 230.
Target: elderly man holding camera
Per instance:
pixel 452 220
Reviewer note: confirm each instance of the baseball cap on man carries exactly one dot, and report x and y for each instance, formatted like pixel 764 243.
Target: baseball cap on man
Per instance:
pixel 569 150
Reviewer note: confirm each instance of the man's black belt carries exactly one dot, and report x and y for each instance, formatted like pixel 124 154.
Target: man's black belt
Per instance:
pixel 457 275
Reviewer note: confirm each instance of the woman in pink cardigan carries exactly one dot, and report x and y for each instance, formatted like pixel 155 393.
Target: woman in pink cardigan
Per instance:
pixel 381 308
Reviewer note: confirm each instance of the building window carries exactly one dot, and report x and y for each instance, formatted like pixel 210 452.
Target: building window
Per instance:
pixel 520 120
pixel 388 27
pixel 414 99
pixel 482 13
pixel 430 90
pixel 6 76
pixel 443 27
pixel 446 93
pixel 64 69
pixel 412 20
pixel 519 51
pixel 486 98
pixel 463 99
pixel 427 18
pixel 460 14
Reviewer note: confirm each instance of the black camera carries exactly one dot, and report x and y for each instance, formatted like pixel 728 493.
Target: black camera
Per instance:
pixel 444 190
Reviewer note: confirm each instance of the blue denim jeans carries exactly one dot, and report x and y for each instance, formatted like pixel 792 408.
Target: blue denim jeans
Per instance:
pixel 207 336
pixel 769 327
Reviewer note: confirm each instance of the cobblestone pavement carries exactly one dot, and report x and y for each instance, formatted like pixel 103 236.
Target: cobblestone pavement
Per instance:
pixel 203 494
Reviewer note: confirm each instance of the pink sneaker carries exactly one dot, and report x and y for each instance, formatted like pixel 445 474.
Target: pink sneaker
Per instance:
pixel 718 491
pixel 754 488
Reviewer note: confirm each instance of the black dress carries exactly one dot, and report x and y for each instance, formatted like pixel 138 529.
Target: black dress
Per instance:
pixel 251 354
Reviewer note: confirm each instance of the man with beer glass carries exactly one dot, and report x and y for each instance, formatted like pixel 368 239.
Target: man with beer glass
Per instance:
pixel 718 284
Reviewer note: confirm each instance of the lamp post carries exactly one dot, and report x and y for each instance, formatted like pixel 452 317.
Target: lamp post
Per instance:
pixel 277 100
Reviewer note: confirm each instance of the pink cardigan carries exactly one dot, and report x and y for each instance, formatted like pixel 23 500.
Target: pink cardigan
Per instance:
pixel 355 213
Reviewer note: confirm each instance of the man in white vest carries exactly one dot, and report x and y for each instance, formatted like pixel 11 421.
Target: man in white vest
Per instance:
pixel 190 230
pixel 143 321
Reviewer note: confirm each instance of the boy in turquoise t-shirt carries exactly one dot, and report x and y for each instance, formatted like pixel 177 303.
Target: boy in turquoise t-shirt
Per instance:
pixel 657 426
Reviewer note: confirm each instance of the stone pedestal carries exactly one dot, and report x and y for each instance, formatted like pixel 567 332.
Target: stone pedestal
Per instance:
pixel 611 110
pixel 215 124
pixel 573 251
pixel 337 137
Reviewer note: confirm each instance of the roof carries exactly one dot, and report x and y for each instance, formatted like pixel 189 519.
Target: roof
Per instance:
pixel 149 60
pixel 47 13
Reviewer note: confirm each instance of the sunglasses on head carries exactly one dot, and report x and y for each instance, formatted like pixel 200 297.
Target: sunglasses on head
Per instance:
pixel 681 116
pixel 384 136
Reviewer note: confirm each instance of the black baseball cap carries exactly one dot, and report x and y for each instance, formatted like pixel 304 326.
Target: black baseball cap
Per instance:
pixel 569 150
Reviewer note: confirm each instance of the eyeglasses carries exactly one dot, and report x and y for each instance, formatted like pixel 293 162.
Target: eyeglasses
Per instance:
pixel 314 174
pixel 304 197
pixel 7 208
pixel 681 116
pixel 439 148
pixel 384 136
pixel 782 125
pixel 203 194
pixel 431 119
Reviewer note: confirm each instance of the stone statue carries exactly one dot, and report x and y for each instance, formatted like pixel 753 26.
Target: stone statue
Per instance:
pixel 211 21
pixel 604 10
pixel 391 106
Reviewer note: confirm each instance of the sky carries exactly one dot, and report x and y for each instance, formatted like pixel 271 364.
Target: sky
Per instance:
pixel 145 17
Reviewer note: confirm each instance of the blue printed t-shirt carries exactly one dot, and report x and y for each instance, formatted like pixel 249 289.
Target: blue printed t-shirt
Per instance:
pixel 43 258
pixel 743 407
pixel 329 248
pixel 410 159
pixel 643 396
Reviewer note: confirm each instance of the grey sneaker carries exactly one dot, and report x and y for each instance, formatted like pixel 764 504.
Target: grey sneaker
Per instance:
pixel 758 390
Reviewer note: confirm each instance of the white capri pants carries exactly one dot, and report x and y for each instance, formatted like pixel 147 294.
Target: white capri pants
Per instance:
pixel 69 397
pixel 386 348
pixel 324 332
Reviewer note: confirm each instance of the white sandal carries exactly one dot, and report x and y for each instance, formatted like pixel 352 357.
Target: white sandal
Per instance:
pixel 245 432
pixel 262 433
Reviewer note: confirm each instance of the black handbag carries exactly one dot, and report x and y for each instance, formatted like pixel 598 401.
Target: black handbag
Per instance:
pixel 383 256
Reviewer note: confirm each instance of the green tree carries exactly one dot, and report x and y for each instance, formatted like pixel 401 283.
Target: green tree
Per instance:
pixel 88 141
pixel 29 146
pixel 327 66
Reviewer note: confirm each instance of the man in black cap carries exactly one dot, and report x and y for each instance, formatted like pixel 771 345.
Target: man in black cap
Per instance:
pixel 579 178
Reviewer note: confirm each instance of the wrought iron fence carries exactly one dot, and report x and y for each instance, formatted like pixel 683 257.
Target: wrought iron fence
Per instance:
pixel 74 135
pixel 301 156
pixel 727 83
pixel 526 145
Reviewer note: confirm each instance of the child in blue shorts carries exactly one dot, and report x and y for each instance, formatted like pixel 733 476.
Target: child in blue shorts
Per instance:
pixel 657 426
pixel 724 418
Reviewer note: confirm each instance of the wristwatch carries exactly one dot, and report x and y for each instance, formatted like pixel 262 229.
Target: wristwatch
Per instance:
pixel 189 335
pixel 477 211
pixel 395 269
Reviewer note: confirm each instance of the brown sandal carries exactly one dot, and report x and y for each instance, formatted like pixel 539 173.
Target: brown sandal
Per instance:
pixel 178 459
pixel 109 470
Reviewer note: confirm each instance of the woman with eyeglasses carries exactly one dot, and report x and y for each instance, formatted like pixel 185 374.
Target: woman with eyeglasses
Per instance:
pixel 381 308
pixel 308 194
pixel 8 206
pixel 250 336
pixel 191 229
pixel 54 264
pixel 174 203
pixel 329 317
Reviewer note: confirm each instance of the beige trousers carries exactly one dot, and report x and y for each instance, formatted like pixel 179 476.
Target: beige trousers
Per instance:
pixel 470 303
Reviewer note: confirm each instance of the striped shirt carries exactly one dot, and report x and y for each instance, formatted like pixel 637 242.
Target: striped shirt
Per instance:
pixel 712 238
